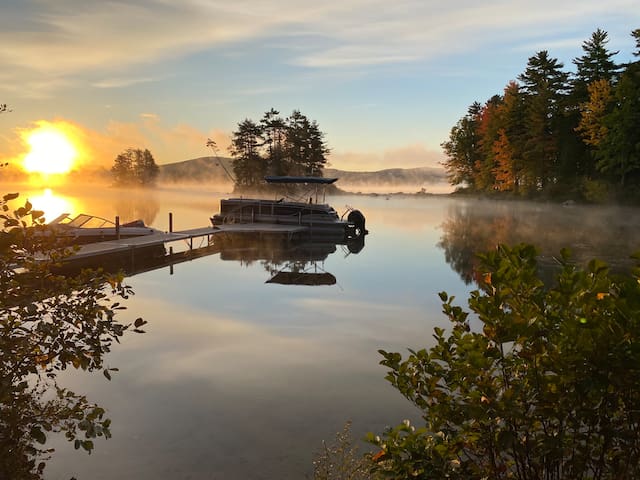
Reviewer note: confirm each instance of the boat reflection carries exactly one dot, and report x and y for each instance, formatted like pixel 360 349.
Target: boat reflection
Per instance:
pixel 288 261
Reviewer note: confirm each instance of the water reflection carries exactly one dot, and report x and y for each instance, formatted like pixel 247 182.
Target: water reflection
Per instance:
pixel 610 233
pixel 252 377
pixel 288 261
pixel 49 322
pixel 138 205
pixel 98 200
pixel 53 204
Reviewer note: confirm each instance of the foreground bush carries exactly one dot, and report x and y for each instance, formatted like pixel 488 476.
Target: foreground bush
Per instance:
pixel 548 389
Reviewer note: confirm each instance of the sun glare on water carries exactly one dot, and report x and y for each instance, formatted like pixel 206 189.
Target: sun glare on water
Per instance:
pixel 52 152
pixel 51 204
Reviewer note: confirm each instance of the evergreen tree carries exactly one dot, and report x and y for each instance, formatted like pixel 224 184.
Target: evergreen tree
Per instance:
pixel 294 146
pixel 135 167
pixel 306 149
pixel 122 168
pixel 596 64
pixel 619 151
pixel 512 122
pixel 462 149
pixel 145 168
pixel 636 36
pixel 248 166
pixel 316 151
pixel 544 84
pixel 576 157
pixel 274 134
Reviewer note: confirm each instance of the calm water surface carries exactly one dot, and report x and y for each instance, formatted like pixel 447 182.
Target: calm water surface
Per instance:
pixel 241 379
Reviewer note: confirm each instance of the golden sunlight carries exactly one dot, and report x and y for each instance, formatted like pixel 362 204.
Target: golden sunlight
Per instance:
pixel 51 151
pixel 51 204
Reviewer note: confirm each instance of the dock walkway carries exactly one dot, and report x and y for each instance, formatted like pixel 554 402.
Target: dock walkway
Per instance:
pixel 130 245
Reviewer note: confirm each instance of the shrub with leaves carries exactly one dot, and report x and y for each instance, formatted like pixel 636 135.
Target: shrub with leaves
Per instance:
pixel 548 389
pixel 48 322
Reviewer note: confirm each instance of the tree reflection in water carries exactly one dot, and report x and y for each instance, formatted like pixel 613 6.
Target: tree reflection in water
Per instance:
pixel 48 322
pixel 609 233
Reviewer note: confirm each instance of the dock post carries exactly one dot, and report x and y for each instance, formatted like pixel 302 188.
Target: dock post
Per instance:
pixel 117 227
pixel 170 222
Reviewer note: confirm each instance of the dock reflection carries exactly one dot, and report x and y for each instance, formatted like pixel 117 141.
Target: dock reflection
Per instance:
pixel 289 260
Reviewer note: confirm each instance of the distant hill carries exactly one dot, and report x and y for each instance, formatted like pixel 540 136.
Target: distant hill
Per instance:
pixel 199 170
pixel 210 170
pixel 392 179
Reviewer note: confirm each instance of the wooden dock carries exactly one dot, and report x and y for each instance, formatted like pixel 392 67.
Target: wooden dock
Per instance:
pixel 131 245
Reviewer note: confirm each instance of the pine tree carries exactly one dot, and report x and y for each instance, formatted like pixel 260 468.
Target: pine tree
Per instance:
pixel 544 84
pixel 248 166
pixel 274 134
pixel 596 64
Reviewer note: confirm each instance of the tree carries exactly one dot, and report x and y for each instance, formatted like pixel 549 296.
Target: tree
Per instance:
pixel 135 167
pixel 145 168
pixel 596 64
pixel 488 127
pixel 547 387
pixel 636 36
pixel 592 113
pixel 544 84
pixel 274 133
pixel 503 172
pixel 49 322
pixel 248 167
pixel 462 149
pixel 511 112
pixel 619 151
pixel 294 146
pixel 306 149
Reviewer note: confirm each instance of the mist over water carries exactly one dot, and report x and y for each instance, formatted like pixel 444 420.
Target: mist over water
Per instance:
pixel 237 378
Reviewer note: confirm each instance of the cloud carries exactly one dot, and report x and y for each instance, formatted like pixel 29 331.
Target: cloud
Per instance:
pixel 122 82
pixel 65 38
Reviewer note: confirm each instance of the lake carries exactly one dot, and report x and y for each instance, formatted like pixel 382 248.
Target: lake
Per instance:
pixel 238 378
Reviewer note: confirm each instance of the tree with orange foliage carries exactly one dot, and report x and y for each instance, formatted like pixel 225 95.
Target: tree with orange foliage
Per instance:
pixel 505 178
pixel 591 127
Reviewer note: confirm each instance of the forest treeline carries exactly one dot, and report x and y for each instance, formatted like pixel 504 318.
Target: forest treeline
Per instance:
pixel 556 133
pixel 276 146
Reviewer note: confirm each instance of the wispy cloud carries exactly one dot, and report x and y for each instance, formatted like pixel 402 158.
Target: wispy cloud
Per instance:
pixel 119 82
pixel 70 36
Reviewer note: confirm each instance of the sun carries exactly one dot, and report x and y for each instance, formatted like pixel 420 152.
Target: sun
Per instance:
pixel 52 152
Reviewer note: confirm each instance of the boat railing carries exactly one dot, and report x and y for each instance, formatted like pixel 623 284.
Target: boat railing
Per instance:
pixel 247 213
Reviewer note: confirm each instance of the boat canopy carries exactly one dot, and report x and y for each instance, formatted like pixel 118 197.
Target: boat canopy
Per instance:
pixel 288 179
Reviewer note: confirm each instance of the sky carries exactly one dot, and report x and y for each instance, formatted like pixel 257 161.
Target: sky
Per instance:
pixel 385 80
